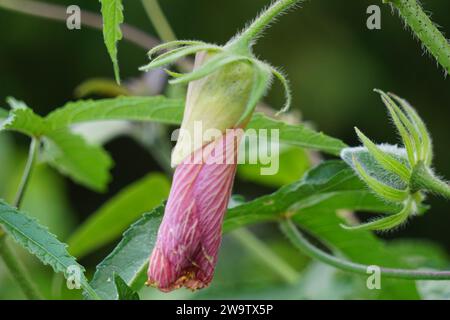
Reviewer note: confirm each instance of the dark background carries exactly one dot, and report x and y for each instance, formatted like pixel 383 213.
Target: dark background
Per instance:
pixel 331 58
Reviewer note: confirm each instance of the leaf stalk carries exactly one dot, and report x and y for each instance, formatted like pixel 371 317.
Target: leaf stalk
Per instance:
pixel 294 235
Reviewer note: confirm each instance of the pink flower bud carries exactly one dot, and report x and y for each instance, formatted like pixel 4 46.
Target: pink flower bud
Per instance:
pixel 189 237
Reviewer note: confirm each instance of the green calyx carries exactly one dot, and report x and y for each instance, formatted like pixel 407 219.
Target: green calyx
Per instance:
pixel 236 53
pixel 397 174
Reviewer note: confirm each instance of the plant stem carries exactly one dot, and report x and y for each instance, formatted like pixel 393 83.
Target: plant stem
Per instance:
pixel 157 17
pixel 34 146
pixel 17 269
pixel 13 263
pixel 425 30
pixel 291 231
pixel 260 249
pixel 89 19
pixel 423 179
pixel 260 23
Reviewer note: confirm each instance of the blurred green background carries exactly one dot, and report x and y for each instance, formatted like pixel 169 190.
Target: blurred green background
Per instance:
pixel 333 61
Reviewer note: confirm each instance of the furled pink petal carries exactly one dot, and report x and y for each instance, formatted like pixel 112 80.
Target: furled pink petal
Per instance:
pixel 189 237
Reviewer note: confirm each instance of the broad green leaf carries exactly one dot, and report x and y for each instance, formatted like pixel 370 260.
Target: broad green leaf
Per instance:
pixel 130 258
pixel 85 163
pixel 298 135
pixel 113 218
pixel 22 119
pixel 112 12
pixel 170 111
pixel 318 184
pixel 37 239
pixel 123 290
pixel 371 165
pixel 293 163
pixel 156 108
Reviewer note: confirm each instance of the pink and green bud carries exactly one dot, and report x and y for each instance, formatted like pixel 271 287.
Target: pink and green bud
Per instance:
pixel 226 84
pixel 189 237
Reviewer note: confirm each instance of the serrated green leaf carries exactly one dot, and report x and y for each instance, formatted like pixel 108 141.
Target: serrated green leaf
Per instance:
pixel 22 119
pixel 112 12
pixel 123 290
pixel 298 135
pixel 113 218
pixel 156 108
pixel 170 111
pixel 85 163
pixel 36 239
pixel 130 258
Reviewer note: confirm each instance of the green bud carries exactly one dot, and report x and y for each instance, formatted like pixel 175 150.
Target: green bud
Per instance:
pixel 397 175
pixel 215 102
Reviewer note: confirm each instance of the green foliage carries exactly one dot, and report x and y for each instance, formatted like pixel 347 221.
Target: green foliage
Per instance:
pixel 37 240
pixel 130 258
pixel 22 119
pixel 326 183
pixel 298 135
pixel 123 290
pixel 329 180
pixel 155 108
pixel 85 163
pixel 293 162
pixel 114 217
pixel 112 12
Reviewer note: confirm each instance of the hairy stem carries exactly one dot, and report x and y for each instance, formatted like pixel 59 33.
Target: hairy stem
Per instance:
pixel 17 269
pixel 423 179
pixel 421 24
pixel 260 249
pixel 157 17
pixel 291 231
pixel 89 19
pixel 34 146
pixel 260 23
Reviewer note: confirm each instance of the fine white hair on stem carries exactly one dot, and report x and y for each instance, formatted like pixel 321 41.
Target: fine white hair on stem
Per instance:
pixel 255 29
